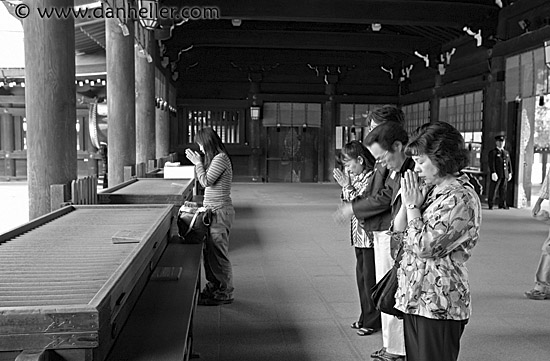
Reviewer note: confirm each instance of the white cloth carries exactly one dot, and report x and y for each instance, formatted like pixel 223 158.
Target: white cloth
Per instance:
pixel 393 338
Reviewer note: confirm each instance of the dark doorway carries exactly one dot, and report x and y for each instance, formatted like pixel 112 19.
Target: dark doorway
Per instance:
pixel 292 154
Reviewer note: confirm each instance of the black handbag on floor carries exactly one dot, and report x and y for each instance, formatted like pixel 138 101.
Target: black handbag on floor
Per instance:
pixel 194 222
pixel 383 293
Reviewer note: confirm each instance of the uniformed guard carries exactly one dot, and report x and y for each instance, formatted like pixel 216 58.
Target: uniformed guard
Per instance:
pixel 500 167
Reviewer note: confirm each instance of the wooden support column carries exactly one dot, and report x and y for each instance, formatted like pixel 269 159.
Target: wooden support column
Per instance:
pixel 162 127
pixel 327 152
pixel 494 116
pixel 8 142
pixel 145 105
pixel 50 103
pixel 255 130
pixel 494 105
pixel 435 99
pixel 120 99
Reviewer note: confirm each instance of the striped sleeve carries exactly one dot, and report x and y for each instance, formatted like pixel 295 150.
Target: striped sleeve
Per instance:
pixel 216 180
pixel 207 178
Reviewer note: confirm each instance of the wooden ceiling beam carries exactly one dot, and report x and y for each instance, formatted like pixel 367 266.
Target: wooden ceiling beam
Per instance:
pixel 256 57
pixel 300 40
pixel 448 13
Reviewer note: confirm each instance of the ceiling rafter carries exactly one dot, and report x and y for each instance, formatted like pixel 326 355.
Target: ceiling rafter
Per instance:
pixel 299 40
pixel 448 13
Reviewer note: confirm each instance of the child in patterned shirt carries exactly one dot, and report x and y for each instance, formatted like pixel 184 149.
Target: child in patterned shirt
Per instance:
pixel 356 183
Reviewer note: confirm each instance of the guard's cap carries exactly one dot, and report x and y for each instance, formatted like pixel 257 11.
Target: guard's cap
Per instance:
pixel 500 138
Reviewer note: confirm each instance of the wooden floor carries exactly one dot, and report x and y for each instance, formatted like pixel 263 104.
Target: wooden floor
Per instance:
pixel 295 292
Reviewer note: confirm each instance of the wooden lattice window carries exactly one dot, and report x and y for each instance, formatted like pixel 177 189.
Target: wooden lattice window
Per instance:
pixel 352 122
pixel 228 123
pixel 416 115
pixel 465 113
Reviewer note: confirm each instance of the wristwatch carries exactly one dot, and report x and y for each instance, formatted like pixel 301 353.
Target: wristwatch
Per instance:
pixel 412 206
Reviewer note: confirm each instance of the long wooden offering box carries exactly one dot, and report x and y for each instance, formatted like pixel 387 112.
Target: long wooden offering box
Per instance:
pixel 149 191
pixel 66 283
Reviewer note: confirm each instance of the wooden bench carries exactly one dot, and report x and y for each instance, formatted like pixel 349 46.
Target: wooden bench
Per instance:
pixel 160 326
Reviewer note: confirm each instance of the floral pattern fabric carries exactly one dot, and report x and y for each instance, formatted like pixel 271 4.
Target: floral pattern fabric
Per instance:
pixel 358 189
pixel 432 277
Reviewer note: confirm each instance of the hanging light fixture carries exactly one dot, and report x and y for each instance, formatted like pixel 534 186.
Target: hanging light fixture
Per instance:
pixel 147 10
pixel 255 112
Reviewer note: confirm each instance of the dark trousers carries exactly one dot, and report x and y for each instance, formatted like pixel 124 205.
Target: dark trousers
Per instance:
pixel 501 186
pixel 432 340
pixel 370 316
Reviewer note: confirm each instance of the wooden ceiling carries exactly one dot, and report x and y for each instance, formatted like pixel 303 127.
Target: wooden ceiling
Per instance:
pixel 302 41
pixel 297 41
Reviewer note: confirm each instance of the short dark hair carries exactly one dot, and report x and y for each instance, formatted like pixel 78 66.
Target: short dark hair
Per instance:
pixel 386 113
pixel 443 144
pixel 356 149
pixel 386 134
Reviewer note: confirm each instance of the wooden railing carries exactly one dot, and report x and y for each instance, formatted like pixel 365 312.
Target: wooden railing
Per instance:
pixel 13 165
pixel 84 190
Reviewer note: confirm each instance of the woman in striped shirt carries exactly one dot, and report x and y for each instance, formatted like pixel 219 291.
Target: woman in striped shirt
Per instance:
pixel 215 172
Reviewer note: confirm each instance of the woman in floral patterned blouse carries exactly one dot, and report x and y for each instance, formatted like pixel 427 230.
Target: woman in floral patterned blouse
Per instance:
pixel 441 219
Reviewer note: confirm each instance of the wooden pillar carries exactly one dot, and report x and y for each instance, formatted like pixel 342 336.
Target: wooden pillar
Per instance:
pixel 327 152
pixel 255 130
pixel 435 99
pixel 145 105
pixel 120 99
pixel 7 131
pixel 50 102
pixel 494 118
pixel 162 127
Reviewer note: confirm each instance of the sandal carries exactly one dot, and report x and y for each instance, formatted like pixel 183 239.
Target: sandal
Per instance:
pixel 356 325
pixel 537 295
pixel 365 331
pixel 377 353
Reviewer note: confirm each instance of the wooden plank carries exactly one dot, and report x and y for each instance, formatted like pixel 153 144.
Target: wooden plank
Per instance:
pixel 151 165
pixel 48 341
pixel 35 223
pixel 140 170
pixel 12 99
pixel 166 274
pixel 527 41
pixel 60 322
pixel 39 355
pixel 109 331
pixel 57 196
pixel 164 311
pixel 129 172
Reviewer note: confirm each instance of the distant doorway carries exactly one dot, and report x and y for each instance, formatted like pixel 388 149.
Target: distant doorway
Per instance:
pixel 292 154
pixel 531 148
